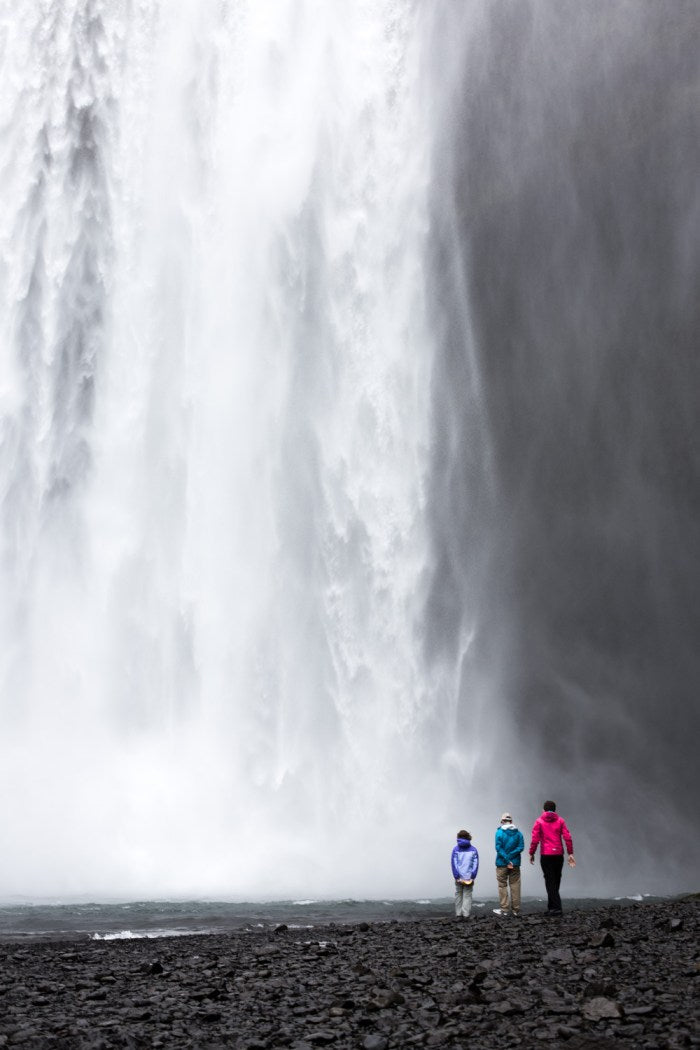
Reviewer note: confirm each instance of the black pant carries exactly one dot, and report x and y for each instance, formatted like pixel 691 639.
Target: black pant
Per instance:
pixel 552 868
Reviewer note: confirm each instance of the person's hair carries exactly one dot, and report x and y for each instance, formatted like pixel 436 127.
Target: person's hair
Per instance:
pixel 464 835
pixel 550 807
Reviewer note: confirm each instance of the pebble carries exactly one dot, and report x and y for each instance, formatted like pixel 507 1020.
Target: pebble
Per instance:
pixel 379 986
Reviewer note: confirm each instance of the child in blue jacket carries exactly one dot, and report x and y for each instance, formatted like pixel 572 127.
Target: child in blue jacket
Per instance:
pixel 509 846
pixel 465 865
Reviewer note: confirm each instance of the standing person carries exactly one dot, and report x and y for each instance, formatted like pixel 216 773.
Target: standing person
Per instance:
pixel 465 865
pixel 547 833
pixel 509 846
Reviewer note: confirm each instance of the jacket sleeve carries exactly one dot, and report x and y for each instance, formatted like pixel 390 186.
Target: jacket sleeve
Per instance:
pixel 521 844
pixel 497 841
pixel 475 864
pixel 566 834
pixel 455 871
pixel 536 837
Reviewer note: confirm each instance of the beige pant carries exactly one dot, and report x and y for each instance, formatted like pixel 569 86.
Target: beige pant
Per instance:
pixel 509 877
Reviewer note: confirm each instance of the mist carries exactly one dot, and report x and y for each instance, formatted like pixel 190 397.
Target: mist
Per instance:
pixel 570 163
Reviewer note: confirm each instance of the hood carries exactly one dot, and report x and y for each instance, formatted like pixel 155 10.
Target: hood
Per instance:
pixel 549 816
pixel 508 827
pixel 463 844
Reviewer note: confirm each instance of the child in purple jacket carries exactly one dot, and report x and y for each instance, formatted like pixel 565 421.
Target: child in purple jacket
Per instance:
pixel 465 865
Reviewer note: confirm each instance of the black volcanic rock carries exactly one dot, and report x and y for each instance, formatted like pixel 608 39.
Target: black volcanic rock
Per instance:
pixel 429 983
pixel 602 940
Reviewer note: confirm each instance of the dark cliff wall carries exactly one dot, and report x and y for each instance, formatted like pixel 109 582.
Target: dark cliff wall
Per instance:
pixel 570 164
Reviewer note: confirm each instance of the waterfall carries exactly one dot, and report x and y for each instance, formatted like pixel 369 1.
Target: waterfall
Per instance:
pixel 215 446
pixel 348 452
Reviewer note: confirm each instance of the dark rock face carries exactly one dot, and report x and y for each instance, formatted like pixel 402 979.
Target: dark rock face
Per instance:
pixel 431 983
pixel 566 493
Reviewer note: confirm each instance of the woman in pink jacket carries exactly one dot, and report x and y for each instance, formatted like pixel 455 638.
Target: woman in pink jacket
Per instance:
pixel 548 832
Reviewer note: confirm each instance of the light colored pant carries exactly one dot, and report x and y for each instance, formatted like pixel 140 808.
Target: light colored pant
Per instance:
pixel 509 877
pixel 463 899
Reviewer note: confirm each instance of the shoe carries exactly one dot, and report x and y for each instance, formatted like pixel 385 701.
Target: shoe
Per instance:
pixel 499 911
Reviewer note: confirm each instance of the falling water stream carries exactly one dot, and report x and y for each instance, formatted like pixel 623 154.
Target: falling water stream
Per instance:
pixel 215 423
pixel 348 443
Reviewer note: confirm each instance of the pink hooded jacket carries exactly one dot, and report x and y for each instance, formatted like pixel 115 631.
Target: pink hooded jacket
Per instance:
pixel 547 833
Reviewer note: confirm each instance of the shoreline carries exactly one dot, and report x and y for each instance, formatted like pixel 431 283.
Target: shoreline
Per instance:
pixel 620 975
pixel 34 921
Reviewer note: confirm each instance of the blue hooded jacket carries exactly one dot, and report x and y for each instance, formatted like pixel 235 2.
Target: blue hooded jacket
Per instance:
pixel 509 846
pixel 465 860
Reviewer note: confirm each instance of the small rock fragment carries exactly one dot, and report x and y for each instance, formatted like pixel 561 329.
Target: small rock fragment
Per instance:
pixel 600 1008
pixel 602 940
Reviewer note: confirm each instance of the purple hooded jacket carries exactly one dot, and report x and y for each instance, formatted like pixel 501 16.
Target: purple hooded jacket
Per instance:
pixel 465 860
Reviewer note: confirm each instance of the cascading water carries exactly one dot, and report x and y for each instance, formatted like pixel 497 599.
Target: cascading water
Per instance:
pixel 215 432
pixel 348 469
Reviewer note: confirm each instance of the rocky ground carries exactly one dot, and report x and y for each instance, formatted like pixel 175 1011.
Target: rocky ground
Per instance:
pixel 616 977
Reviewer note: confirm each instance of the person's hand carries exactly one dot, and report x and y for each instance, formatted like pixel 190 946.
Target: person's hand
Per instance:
pixel 572 862
pixel 532 858
pixel 468 882
pixel 510 864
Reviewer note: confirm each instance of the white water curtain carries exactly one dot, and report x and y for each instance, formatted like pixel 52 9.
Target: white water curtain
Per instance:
pixel 214 440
